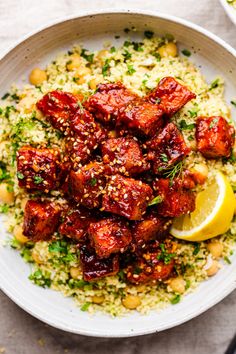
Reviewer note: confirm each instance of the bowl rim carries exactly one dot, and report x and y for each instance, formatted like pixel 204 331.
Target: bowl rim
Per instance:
pixel 227 7
pixel 9 291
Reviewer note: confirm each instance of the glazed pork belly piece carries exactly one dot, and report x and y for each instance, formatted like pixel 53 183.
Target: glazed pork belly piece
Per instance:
pixel 58 106
pixel 76 223
pixel 142 117
pixel 170 96
pixel 152 226
pixel 84 136
pixel 124 156
pixel 166 148
pixel 41 219
pixel 215 137
pixel 126 197
pixel 110 235
pixel 109 100
pixel 95 268
pixel 177 199
pixel 87 184
pixel 150 266
pixel 37 169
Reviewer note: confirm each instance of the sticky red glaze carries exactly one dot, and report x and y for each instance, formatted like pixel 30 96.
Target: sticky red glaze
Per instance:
pixel 76 223
pixel 109 100
pixel 41 219
pixel 109 236
pixel 167 148
pixel 170 96
pixel 124 156
pixel 148 268
pixel 126 197
pixel 94 267
pixel 37 169
pixel 84 137
pixel 152 226
pixel 177 199
pixel 144 118
pixel 58 107
pixel 87 184
pixel 215 137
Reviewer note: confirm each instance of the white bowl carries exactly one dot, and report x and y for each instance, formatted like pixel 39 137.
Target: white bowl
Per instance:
pixel 230 10
pixel 214 56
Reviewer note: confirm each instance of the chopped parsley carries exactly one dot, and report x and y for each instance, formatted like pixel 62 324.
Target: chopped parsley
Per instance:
pixel 4 97
pixel 20 175
pixel 127 55
pixel 93 182
pixel 156 200
pixel 4 208
pixel 86 55
pixel 186 52
pixel 196 249
pixel 227 260
pixel 112 50
pixel 38 179
pixel 165 256
pixel 214 84
pixel 233 103
pixel 106 67
pixel 185 126
pixel 157 56
pixel 190 138
pixel 58 246
pixel 175 299
pixel 149 34
pixel 138 46
pixel 41 279
pixel 85 306
pixel 4 175
pixel 164 157
pixel 130 70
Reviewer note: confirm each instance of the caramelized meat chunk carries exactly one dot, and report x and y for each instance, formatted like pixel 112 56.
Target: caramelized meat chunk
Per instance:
pixel 94 267
pixel 85 136
pixel 126 197
pixel 170 96
pixel 123 156
pixel 58 107
pixel 109 100
pixel 41 219
pixel 76 223
pixel 152 226
pixel 177 200
pixel 150 265
pixel 142 117
pixel 215 137
pixel 87 184
pixel 37 169
pixel 167 148
pixel 109 236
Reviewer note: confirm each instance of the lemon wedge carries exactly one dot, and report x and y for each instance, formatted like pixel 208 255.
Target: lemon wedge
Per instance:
pixel 214 211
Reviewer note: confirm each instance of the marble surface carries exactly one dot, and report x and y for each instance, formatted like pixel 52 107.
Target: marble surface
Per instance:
pixel 22 334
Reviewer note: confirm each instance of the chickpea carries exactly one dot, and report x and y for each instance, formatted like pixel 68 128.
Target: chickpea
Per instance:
pixel 81 73
pixel 18 233
pixel 38 114
pixel 74 62
pixel 131 302
pixel 168 50
pixel 27 104
pixel 213 269
pixel 36 257
pixel 215 248
pixel 93 84
pixel 75 272
pixel 37 76
pixel 102 54
pixel 178 285
pixel 98 299
pixel 200 171
pixel 6 196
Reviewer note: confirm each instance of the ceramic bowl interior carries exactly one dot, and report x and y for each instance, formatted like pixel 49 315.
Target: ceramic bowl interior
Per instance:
pixel 214 57
pixel 230 10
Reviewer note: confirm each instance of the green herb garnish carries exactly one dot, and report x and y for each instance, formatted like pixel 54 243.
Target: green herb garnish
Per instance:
pixel 175 299
pixel 20 175
pixel 156 200
pixel 106 67
pixel 93 182
pixel 227 260
pixel 130 70
pixel 149 34
pixel 184 126
pixel 186 52
pixel 165 256
pixel 214 84
pixel 38 179
pixel 196 249
pixel 85 306
pixel 86 55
